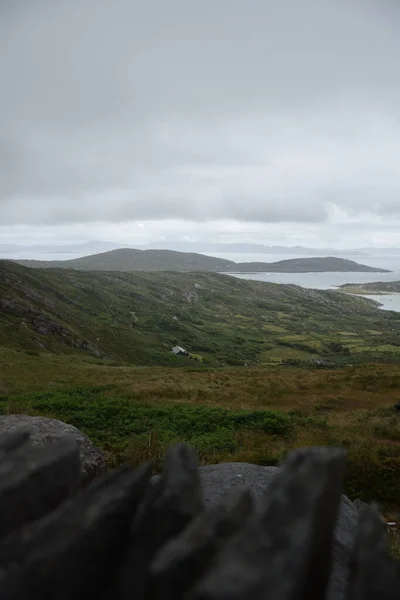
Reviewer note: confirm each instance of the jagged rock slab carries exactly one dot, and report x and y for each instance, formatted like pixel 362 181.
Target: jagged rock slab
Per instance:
pixel 124 537
pixel 372 575
pixel 182 561
pixel 73 553
pixel 292 533
pixel 34 481
pixel 219 480
pixel 170 505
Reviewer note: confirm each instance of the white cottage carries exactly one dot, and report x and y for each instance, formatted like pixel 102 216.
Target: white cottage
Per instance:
pixel 178 350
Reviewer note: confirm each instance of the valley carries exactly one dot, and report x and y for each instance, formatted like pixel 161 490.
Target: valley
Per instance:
pixel 269 367
pixel 220 320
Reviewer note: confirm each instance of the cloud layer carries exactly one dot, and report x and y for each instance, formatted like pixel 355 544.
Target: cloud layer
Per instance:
pixel 260 112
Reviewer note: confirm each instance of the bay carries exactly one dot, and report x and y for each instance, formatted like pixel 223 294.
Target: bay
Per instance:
pixel 322 281
pixel 330 280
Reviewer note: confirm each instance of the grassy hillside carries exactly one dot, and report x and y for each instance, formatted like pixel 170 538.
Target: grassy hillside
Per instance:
pixel 238 414
pixel 74 345
pixel 138 317
pixel 164 260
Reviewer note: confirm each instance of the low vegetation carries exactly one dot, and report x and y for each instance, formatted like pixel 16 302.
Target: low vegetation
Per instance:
pixel 137 318
pixel 271 368
pixel 255 414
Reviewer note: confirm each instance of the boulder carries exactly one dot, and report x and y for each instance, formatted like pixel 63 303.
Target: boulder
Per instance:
pixel 217 481
pixel 47 431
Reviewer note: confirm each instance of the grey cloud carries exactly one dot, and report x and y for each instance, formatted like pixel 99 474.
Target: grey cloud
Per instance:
pixel 256 111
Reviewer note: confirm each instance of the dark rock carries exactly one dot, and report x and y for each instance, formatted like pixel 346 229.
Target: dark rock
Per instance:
pixel 48 431
pixel 359 504
pixel 182 561
pixel 74 552
pixel 218 480
pixel 343 544
pixel 13 440
pixel 122 537
pixel 170 505
pixel 40 322
pixel 34 481
pixel 373 574
pixel 291 533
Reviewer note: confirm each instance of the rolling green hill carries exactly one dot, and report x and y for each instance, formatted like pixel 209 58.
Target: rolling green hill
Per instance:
pixel 127 259
pixel 138 317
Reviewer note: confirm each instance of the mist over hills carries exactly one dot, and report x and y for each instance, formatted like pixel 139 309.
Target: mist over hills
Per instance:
pixel 97 246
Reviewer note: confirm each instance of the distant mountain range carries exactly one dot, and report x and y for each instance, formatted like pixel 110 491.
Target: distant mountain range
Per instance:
pixel 94 247
pixel 240 248
pixel 128 259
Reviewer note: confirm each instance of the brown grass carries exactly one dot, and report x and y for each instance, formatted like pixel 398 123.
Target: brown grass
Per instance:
pixel 355 405
pixel 327 392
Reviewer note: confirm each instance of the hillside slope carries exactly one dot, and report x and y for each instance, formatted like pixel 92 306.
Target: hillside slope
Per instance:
pixel 138 317
pixel 127 259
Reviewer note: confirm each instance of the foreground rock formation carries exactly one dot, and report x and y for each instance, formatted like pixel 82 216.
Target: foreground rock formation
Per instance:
pixel 43 430
pixel 130 536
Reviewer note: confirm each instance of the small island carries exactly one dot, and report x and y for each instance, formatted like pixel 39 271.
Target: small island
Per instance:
pixel 128 259
pixel 309 265
pixel 376 288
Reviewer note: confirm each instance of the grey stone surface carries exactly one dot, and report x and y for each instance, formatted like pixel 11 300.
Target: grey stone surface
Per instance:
pixel 74 552
pixel 218 480
pixel 13 440
pixel 186 557
pixel 290 533
pixel 34 481
pixel 171 503
pixel 372 574
pixel 121 538
pixel 45 431
pixel 360 504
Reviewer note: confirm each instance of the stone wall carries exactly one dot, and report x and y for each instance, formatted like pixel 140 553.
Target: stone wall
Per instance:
pixel 128 535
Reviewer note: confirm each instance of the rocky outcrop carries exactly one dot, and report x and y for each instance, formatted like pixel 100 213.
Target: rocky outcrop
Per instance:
pixel 44 326
pixel 41 323
pixel 220 480
pixel 44 431
pixel 127 536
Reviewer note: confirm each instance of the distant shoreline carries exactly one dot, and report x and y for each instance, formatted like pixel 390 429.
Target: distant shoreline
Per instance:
pixel 128 260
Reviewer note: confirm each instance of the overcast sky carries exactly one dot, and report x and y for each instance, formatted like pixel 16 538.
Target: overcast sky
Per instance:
pixel 263 120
